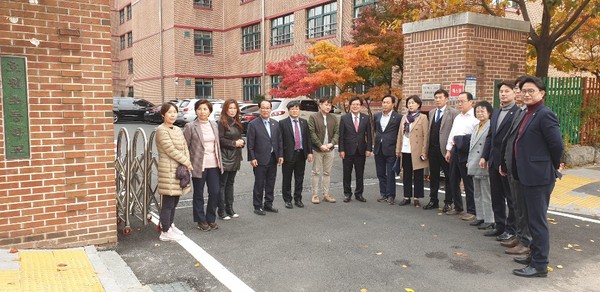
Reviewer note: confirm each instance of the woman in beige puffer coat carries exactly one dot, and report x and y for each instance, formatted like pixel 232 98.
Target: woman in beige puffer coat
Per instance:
pixel 172 151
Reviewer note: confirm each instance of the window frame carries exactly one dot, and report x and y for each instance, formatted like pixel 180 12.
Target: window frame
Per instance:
pixel 315 23
pixel 130 66
pixel 204 84
pixel 359 7
pixel 277 38
pixel 130 91
pixel 203 4
pixel 129 12
pixel 205 37
pixel 121 16
pixel 251 39
pixel 129 39
pixel 251 87
pixel 122 42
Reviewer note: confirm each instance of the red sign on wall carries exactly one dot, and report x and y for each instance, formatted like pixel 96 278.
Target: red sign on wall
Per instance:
pixel 456 89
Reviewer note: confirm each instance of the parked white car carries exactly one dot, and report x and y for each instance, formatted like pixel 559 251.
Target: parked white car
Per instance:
pixel 307 107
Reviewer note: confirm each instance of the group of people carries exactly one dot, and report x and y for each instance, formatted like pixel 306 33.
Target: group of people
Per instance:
pixel 507 160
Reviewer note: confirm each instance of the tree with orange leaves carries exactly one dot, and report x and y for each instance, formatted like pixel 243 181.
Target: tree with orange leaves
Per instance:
pixel 293 72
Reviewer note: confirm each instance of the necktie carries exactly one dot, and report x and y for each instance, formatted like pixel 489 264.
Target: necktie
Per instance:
pixel 437 115
pixel 297 135
pixel 356 123
pixel 268 128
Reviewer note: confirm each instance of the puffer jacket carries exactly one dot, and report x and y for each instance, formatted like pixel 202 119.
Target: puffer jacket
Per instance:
pixel 172 151
pixel 231 156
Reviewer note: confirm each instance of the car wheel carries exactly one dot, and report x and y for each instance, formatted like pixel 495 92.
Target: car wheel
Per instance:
pixel 115 118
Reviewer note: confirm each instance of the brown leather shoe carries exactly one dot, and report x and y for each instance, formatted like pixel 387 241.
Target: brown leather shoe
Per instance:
pixel 510 243
pixel 519 249
pixel 454 212
pixel 468 217
pixel 328 198
pixel 315 199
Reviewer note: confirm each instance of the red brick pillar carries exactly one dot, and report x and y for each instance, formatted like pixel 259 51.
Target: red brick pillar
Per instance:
pixel 60 191
pixel 448 50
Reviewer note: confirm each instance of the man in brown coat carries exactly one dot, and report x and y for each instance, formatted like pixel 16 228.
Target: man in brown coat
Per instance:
pixel 324 134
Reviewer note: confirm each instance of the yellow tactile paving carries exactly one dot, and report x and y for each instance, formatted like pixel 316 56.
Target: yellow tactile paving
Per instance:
pixel 561 197
pixel 64 270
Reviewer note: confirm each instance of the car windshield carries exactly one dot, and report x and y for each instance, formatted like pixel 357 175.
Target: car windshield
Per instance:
pixel 275 104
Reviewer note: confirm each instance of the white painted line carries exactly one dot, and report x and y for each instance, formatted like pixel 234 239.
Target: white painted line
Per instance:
pixel 574 216
pixel 210 263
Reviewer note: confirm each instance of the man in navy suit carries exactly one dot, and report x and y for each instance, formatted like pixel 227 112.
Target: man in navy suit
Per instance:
pixel 356 143
pixel 264 153
pixel 538 149
pixel 387 123
pixel 491 157
pixel 297 149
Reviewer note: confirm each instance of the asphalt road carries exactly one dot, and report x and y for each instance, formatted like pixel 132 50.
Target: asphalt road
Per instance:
pixel 354 246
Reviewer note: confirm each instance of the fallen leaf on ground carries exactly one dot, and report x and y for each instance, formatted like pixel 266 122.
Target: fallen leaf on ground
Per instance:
pixel 422 225
pixel 405 266
pixel 550 219
pixel 566 248
pixel 364 290
pixel 460 254
pixel 440 214
pixel 378 253
pixel 62 265
pixel 576 225
pixel 575 244
pixel 196 264
pixel 157 244
pixel 14 250
pixel 559 266
pixel 569 245
pixel 591 240
pixel 553 223
pixel 409 290
pixel 550 269
pixel 577 249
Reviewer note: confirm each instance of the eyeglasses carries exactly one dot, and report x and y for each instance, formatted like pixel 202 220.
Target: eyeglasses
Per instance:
pixel 461 101
pixel 529 91
pixel 265 108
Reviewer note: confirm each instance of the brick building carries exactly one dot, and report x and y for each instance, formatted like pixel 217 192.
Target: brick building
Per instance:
pixel 57 185
pixel 216 48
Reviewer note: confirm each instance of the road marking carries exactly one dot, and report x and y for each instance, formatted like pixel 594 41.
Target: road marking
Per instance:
pixel 210 263
pixel 574 216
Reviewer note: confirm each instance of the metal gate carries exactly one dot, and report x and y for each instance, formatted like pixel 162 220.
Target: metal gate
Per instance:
pixel 136 178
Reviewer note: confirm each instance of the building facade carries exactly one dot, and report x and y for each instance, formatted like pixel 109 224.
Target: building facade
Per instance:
pixel 178 49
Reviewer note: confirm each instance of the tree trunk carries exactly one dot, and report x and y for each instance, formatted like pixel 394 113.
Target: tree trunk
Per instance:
pixel 543 53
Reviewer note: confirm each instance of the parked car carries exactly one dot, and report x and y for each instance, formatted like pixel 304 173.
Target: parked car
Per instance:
pixel 129 108
pixel 279 107
pixel 186 111
pixel 247 117
pixel 153 115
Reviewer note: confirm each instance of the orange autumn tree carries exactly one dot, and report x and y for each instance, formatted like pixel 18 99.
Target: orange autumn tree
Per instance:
pixel 333 65
pixel 293 72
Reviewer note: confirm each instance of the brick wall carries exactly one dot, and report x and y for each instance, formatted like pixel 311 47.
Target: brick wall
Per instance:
pixel 447 54
pixel 64 195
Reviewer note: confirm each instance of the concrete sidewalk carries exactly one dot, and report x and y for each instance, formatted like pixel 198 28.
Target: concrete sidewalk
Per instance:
pixel 87 269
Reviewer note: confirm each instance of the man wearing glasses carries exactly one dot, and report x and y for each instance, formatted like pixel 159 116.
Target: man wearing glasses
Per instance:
pixel 538 149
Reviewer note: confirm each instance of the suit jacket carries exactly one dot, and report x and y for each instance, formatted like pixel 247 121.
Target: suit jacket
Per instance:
pixel 386 140
pixel 195 142
pixel 260 143
pixel 419 134
pixel 316 125
pixel 351 141
pixel 539 149
pixel 446 126
pixel 476 146
pixel 492 152
pixel 509 141
pixel 289 142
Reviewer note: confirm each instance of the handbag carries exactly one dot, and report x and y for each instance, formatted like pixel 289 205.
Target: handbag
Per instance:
pixel 183 175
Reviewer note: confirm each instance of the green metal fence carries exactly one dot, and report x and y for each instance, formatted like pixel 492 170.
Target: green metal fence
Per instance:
pixel 564 95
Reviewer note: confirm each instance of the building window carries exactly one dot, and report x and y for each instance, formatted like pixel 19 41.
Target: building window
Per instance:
pixel 251 88
pixel 275 81
pixel 325 91
pixel 203 3
pixel 204 88
pixel 360 5
pixel 122 42
pixel 322 20
pixel 121 16
pixel 128 8
pixel 130 66
pixel 251 37
pixel 203 42
pixel 130 91
pixel 129 39
pixel 361 88
pixel 282 30
pixel 509 4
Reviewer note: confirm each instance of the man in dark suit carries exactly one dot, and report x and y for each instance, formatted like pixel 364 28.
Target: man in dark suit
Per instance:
pixel 440 125
pixel 264 153
pixel 356 144
pixel 297 149
pixel 537 151
pixel 387 123
pixel 500 122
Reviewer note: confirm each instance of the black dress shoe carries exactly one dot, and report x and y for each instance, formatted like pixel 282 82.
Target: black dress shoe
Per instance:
pixel 530 272
pixel 493 232
pixel 347 199
pixel 260 212
pixel 526 260
pixel 289 205
pixel 486 226
pixel 382 199
pixel 476 222
pixel 404 202
pixel 431 205
pixel 447 207
pixel 271 209
pixel 299 204
pixel 361 199
pixel 505 236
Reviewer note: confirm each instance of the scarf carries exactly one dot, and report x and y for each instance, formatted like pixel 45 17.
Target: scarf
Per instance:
pixel 410 118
